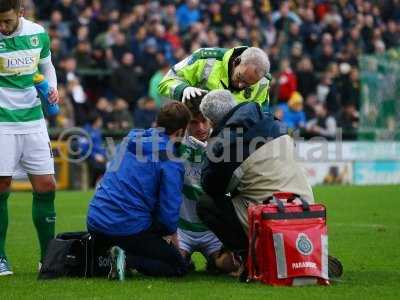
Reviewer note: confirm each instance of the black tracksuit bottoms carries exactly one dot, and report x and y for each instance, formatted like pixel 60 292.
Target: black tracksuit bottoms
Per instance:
pixel 146 252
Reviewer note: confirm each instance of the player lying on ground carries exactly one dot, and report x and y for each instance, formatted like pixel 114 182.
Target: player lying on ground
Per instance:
pixel 24 141
pixel 259 160
pixel 137 202
pixel 193 235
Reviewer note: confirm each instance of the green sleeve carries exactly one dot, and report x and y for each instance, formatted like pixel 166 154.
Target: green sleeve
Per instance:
pixel 183 74
pixel 45 41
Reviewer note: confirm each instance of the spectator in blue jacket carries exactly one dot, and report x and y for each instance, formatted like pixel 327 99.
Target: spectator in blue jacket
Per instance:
pixel 188 13
pixel 136 205
pixel 292 112
pixel 91 146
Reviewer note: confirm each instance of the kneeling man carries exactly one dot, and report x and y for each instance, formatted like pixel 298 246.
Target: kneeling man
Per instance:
pixel 250 156
pixel 136 205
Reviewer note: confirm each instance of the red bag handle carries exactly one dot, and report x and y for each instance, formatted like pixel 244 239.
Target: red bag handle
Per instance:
pixel 290 197
pixel 285 195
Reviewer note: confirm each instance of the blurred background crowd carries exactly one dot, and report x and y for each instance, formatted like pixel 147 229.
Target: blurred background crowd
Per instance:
pixel 111 54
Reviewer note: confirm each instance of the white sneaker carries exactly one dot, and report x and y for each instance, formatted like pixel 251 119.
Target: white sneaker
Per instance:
pixel 117 271
pixel 5 268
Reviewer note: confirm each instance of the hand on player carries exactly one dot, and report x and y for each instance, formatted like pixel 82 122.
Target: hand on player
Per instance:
pixel 192 92
pixel 53 96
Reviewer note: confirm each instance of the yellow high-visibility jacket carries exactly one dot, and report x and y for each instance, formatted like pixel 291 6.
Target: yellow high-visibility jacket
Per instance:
pixel 208 69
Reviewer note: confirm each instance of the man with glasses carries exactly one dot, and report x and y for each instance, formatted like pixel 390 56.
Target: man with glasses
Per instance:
pixel 241 70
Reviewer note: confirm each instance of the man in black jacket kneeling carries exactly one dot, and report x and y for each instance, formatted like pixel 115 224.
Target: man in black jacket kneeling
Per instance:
pixel 250 156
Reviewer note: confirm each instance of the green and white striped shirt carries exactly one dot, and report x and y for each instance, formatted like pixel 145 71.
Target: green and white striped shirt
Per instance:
pixel 193 156
pixel 20 55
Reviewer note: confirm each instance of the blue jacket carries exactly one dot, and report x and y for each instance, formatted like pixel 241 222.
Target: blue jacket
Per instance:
pixel 293 119
pixel 96 138
pixel 141 188
pixel 231 144
pixel 187 16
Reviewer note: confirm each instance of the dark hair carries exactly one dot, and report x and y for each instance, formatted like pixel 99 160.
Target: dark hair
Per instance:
pixel 6 5
pixel 173 116
pixel 194 105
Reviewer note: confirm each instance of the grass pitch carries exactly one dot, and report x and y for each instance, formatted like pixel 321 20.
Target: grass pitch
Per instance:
pixel 364 232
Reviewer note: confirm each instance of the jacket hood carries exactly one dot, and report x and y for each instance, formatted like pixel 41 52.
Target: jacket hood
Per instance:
pixel 148 141
pixel 244 115
pixel 253 121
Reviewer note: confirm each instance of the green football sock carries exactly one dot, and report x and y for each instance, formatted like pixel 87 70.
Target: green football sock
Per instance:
pixel 44 218
pixel 3 222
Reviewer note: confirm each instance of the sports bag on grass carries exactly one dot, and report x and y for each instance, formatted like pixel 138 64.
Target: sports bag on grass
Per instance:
pixel 71 254
pixel 288 242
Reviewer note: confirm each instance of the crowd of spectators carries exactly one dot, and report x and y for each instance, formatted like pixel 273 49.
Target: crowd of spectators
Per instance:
pixel 111 54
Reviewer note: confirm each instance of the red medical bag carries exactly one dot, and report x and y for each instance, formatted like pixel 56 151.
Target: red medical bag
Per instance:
pixel 288 242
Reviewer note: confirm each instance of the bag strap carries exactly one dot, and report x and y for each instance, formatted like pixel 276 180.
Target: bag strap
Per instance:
pixel 279 203
pixel 290 197
pixel 304 204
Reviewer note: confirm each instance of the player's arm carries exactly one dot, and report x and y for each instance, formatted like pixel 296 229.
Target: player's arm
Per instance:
pixel 46 67
pixel 186 73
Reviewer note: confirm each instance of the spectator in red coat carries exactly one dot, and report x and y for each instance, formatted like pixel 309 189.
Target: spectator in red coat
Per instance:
pixel 287 81
pixel 172 36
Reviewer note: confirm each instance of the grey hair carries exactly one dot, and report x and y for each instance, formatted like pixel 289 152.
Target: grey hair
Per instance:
pixel 216 105
pixel 258 58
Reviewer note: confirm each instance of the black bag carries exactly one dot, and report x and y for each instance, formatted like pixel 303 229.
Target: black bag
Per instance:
pixel 72 254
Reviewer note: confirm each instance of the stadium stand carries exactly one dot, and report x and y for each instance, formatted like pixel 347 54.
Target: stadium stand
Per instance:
pixel 119 49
